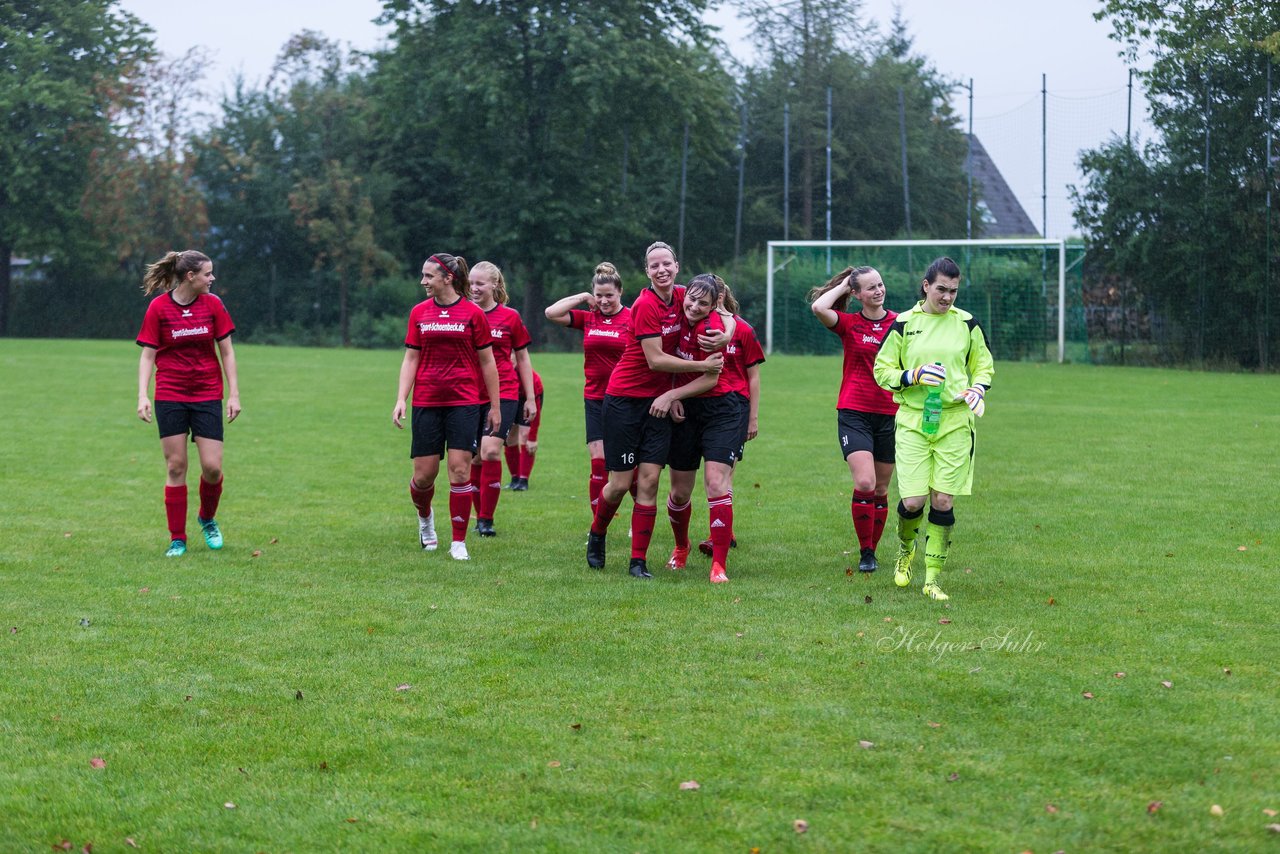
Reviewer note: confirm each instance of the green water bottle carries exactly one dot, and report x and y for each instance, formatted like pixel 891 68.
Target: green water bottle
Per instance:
pixel 932 409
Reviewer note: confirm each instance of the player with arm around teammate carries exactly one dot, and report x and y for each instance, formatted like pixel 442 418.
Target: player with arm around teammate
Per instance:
pixel 184 332
pixel 934 344
pixel 448 366
pixel 864 411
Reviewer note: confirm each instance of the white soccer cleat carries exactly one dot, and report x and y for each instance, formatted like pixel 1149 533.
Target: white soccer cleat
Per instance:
pixel 427 532
pixel 458 550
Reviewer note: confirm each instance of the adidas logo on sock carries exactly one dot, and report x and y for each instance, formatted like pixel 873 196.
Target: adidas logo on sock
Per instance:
pixel 458 519
pixel 717 524
pixel 495 486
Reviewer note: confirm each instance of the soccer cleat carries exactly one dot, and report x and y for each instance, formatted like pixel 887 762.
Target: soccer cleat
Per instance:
pixel 427 532
pixel 639 569
pixel 717 574
pixel 177 548
pixel 595 550
pixel 868 561
pixel 902 567
pixel 705 546
pixel 484 527
pixel 520 484
pixel 512 484
pixel 458 550
pixel 933 591
pixel 212 536
pixel 678 558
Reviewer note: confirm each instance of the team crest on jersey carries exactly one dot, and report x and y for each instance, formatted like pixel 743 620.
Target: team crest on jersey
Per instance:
pixel 186 312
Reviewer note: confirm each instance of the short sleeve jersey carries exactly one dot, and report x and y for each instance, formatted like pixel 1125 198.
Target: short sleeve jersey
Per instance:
pixel 861 339
pixel 687 348
pixel 650 318
pixel 742 352
pixel 450 338
pixel 183 336
pixel 509 334
pixel 603 340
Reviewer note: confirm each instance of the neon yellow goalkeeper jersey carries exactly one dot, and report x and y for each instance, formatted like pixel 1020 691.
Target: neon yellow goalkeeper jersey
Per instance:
pixel 917 338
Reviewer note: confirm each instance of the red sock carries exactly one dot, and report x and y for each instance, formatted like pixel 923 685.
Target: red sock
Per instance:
pixel 863 512
pixel 460 509
pixel 476 477
pixel 881 514
pixel 642 519
pixel 210 493
pixel 679 517
pixel 526 462
pixel 490 488
pixel 512 453
pixel 721 510
pixel 596 482
pixel 422 497
pixel 604 515
pixel 175 509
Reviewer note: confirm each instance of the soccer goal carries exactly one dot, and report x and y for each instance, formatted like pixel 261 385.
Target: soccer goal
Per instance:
pixel 1026 293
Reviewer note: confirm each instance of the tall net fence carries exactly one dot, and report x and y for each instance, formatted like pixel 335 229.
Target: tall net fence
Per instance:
pixel 1012 289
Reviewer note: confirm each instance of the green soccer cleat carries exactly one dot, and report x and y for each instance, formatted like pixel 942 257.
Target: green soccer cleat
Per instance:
pixel 177 548
pixel 934 592
pixel 902 568
pixel 212 536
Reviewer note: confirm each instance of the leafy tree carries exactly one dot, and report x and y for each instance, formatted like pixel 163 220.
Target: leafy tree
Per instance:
pixel 63 63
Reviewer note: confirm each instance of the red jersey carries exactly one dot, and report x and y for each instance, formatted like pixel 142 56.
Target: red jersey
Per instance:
pixel 861 338
pixel 604 337
pixel 183 336
pixel 450 338
pixel 509 334
pixel 687 348
pixel 650 318
pixel 742 352
pixel 537 384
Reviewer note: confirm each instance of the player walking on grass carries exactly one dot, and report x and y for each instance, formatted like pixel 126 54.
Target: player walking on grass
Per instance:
pixel 932 345
pixel 637 433
pixel 864 411
pixel 712 428
pixel 515 380
pixel 522 443
pixel 448 365
pixel 606 328
pixel 184 332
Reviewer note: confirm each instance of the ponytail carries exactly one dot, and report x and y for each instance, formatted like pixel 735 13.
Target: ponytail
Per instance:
pixel 166 273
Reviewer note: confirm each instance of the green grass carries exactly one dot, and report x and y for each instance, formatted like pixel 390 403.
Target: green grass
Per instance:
pixel 556 708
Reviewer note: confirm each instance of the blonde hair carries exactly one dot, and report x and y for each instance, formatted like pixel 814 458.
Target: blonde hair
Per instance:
pixel 499 281
pixel 728 301
pixel 171 269
pixel 606 274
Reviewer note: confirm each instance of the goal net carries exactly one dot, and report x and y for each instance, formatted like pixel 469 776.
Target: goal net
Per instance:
pixel 1026 293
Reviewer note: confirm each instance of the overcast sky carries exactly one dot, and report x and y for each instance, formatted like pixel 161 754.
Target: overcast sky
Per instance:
pixel 1003 45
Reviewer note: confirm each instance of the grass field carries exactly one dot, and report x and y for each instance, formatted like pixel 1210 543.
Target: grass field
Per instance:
pixel 1124 522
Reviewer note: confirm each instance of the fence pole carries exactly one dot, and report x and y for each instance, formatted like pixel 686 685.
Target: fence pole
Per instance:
pixel 828 178
pixel 786 170
pixel 684 183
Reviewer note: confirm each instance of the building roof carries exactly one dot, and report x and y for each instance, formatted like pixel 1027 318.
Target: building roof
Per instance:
pixel 1005 216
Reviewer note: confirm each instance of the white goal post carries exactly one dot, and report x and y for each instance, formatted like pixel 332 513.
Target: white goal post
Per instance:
pixel 777 247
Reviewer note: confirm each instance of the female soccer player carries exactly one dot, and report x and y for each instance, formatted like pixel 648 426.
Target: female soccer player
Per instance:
pixel 515 378
pixel 638 397
pixel 714 426
pixel 932 345
pixel 448 365
pixel 178 338
pixel 522 443
pixel 606 328
pixel 864 411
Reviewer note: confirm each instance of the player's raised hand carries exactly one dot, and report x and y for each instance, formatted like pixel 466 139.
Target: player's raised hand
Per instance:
pixel 974 397
pixel 931 375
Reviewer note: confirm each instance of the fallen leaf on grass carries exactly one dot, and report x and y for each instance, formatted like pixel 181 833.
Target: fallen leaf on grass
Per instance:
pixel 128 840
pixel 403 686
pixel 1088 695
pixel 860 634
pixel 229 805
pixel 297 696
pixel 256 553
pixel 1238 548
pixel 1167 684
pixel 554 763
pixel 953 777
pixel 974 670
pixel 273 541
pixel 944 621
pixel 533 824
pixel 968 570
pixel 1119 674
pixel 1050 808
pixel 575 727
pixel 888 619
pixel 13 630
pixel 866 600
pixel 738 634
pixel 144 589
pixel 1226 670
pixel 1051 601
pixel 690 786
pixel 87 848
pixel 242 771
pixel 800 825
pixel 934 725
pixel 1274 828
pixel 1154 807
pixel 1216 811
pixel 64 845
pixel 352 820
pixel 97 762
pixel 737 599
pixel 866 745
pixel 1269 813
pixel 84 622
pixel 67 535
pixel 848 570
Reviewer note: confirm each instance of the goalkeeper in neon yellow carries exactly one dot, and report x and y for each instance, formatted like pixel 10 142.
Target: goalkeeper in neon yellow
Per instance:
pixel 932 345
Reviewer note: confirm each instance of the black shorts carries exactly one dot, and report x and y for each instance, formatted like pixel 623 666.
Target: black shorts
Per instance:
pixel 631 435
pixel 509 408
pixel 594 410
pixel 202 420
pixel 746 422
pixel 866 431
pixel 520 420
pixel 714 430
pixel 434 427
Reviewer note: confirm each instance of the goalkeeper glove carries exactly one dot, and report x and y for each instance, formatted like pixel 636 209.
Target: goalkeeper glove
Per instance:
pixel 925 374
pixel 973 396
